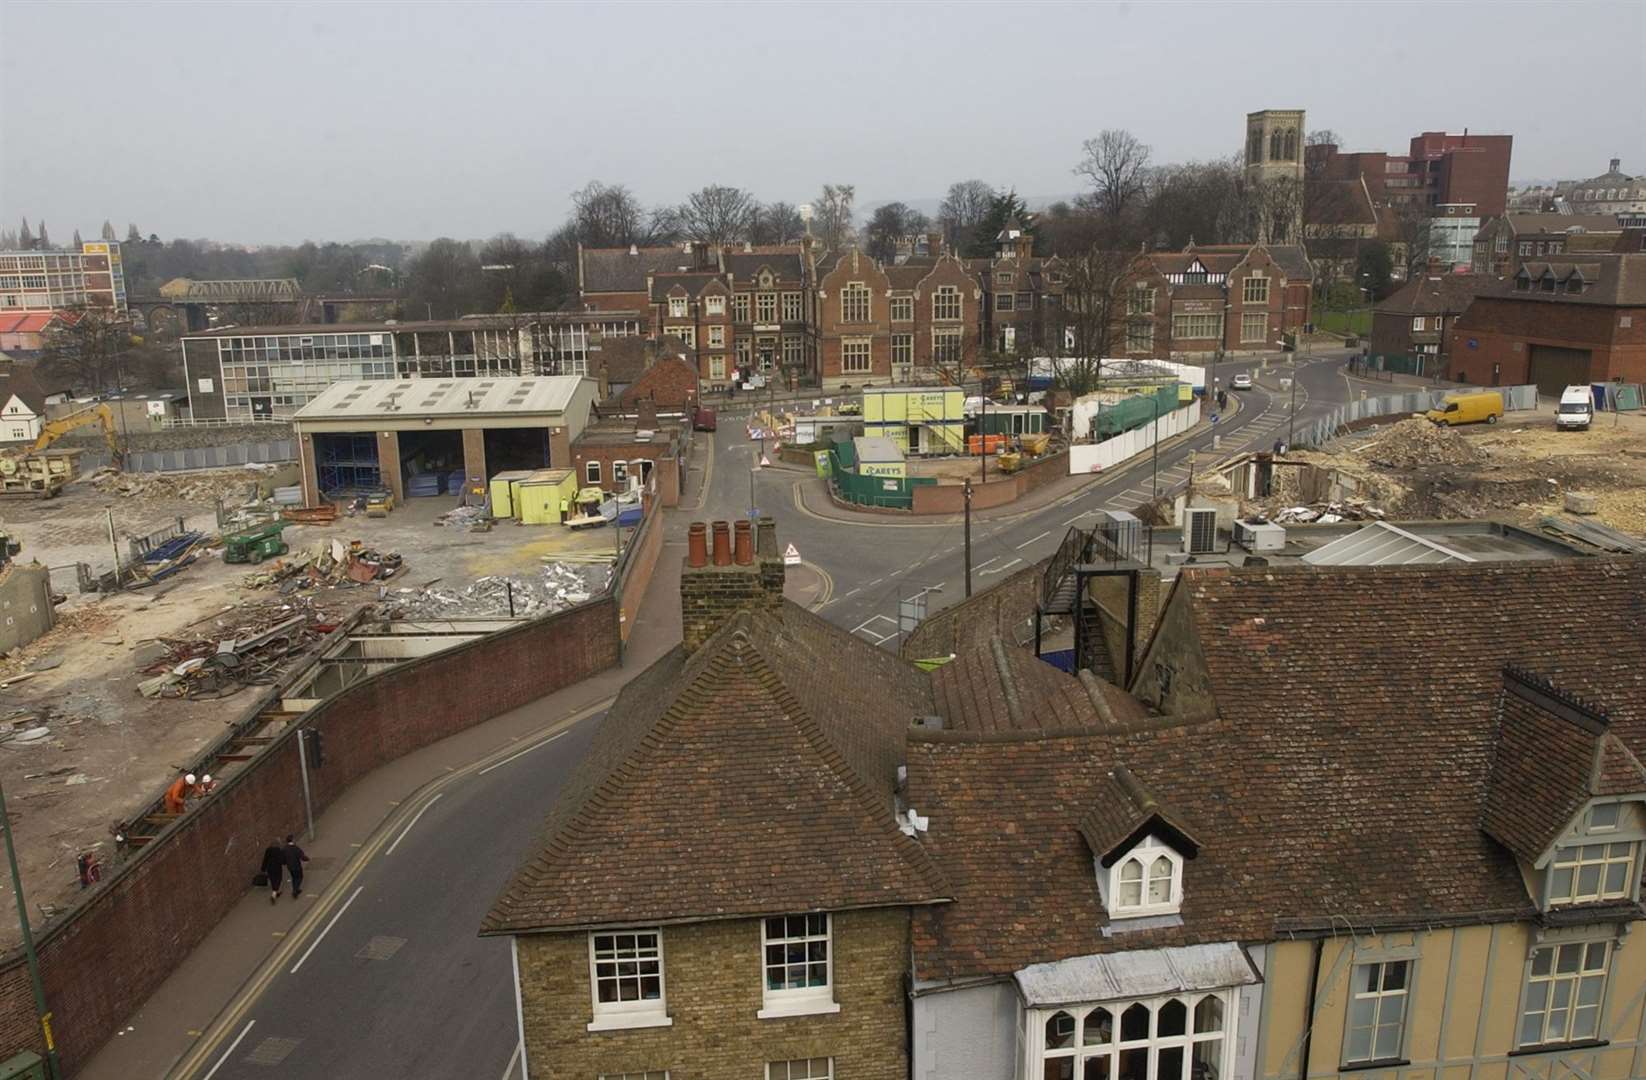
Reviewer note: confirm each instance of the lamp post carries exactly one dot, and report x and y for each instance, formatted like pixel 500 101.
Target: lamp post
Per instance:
pixel 29 954
pixel 1291 420
pixel 1155 467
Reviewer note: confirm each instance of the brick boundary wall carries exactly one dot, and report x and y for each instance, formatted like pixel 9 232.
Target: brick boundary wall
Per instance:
pixel 951 498
pixel 999 609
pixel 103 960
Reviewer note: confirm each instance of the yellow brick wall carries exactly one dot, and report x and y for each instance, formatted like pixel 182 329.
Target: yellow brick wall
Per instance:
pixel 1462 1009
pixel 712 986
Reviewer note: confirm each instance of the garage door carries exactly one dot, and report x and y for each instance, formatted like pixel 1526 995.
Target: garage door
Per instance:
pixel 1554 369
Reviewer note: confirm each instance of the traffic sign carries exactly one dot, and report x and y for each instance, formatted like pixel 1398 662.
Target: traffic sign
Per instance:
pixel 791 556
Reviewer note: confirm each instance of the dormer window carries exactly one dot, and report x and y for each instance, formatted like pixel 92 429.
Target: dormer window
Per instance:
pixel 1523 282
pixel 1589 873
pixel 677 307
pixel 1148 880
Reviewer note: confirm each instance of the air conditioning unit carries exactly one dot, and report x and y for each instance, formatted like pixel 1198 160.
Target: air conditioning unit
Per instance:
pixel 1121 529
pixel 1259 535
pixel 1200 530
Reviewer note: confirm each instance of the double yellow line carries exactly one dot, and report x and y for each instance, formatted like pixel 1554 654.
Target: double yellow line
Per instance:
pixel 199 1056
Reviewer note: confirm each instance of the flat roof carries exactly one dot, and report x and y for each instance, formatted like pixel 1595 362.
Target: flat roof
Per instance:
pixel 426 326
pixel 410 399
pixel 876 448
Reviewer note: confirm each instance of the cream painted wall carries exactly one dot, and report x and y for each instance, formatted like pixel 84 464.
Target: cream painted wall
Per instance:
pixel 1461 1012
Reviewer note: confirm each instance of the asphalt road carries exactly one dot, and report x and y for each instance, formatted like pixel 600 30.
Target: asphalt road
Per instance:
pixel 392 979
pixel 397 983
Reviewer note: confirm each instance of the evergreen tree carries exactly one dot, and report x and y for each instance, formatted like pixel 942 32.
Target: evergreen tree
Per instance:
pixel 108 231
pixel 43 241
pixel 25 238
pixel 77 240
pixel 1004 208
pixel 132 235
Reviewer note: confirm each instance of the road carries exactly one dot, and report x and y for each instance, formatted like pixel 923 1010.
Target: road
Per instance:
pixel 389 977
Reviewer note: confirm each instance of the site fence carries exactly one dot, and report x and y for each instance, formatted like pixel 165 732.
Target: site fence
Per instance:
pixel 1321 429
pixel 275 451
pixel 1095 457
pixel 883 492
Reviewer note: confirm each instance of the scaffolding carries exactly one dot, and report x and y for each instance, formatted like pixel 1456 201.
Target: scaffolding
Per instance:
pixel 347 464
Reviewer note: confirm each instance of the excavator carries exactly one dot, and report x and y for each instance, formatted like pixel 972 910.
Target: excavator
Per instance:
pixel 29 471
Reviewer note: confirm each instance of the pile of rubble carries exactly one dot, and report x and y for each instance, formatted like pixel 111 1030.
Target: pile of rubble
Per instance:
pixel 1416 442
pixel 560 585
pixel 249 645
pixel 233 486
pixel 1328 513
pixel 329 564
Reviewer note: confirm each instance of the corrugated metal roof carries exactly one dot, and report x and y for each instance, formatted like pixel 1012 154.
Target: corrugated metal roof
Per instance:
pixel 1141 973
pixel 436 397
pixel 1382 544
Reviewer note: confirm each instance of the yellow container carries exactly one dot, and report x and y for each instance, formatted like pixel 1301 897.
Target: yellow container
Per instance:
pixel 538 497
pixel 502 491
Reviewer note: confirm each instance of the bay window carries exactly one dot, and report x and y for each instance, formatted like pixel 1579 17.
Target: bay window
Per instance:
pixel 1186 1037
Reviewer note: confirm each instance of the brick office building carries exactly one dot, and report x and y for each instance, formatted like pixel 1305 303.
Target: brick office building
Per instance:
pixel 877 324
pixel 1503 243
pixel 1022 294
pixel 1438 169
pixel 1557 322
pixel 1413 320
pixel 1201 300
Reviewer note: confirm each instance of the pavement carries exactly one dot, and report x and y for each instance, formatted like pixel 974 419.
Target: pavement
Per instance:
pixel 378 970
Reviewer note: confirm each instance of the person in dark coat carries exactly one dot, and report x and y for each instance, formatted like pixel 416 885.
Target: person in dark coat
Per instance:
pixel 274 868
pixel 294 862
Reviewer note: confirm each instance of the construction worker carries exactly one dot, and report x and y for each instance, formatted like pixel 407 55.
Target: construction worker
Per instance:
pixel 177 795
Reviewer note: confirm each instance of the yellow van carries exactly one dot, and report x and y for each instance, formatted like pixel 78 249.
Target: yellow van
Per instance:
pixel 1468 409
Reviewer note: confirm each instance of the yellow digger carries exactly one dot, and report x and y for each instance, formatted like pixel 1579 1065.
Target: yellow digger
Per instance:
pixel 36 471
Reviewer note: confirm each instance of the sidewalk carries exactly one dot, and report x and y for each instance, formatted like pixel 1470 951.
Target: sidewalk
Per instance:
pixel 204 981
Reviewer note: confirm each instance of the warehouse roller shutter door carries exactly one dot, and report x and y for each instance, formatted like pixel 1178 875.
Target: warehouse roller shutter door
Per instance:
pixel 1553 369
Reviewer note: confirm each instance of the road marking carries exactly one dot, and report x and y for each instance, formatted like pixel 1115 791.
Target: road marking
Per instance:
pixel 243 1033
pixel 514 1057
pixel 483 772
pixel 419 815
pixel 1076 518
pixel 316 943
pixel 854 592
pixel 981 566
pixel 879 638
pixel 875 582
pixel 999 569
pixel 1032 540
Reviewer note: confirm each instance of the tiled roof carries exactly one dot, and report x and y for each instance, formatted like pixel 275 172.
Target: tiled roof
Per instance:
pixel 999 687
pixel 1553 755
pixel 1614 280
pixel 1344 776
pixel 1435 294
pixel 785 262
pixel 905 276
pixel 626 358
pixel 665 282
pixel 753 776
pixel 1122 809
pixel 1527 224
pixel 616 270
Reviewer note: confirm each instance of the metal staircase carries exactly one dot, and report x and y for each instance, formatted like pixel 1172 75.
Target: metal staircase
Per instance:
pixel 1065 593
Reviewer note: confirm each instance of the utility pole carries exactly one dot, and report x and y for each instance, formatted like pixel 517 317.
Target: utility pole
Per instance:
pixel 33 958
pixel 1156 466
pixel 968 539
pixel 1291 421
pixel 983 428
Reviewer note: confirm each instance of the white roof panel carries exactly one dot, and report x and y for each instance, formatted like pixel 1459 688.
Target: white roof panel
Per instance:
pixel 1382 544
pixel 1142 973
pixel 441 397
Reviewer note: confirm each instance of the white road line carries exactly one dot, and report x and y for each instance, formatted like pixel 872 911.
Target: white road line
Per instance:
pixel 1032 540
pixel 875 582
pixel 416 817
pixel 316 943
pixel 489 768
pixel 243 1033
pixel 981 566
pixel 999 569
pixel 514 1057
pixel 854 592
pixel 1078 517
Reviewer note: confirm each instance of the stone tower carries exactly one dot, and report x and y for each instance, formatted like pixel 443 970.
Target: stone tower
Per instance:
pixel 1274 166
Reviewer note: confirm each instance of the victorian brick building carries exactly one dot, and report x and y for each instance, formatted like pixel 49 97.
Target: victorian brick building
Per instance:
pixel 1203 300
pixel 1022 294
pixel 877 324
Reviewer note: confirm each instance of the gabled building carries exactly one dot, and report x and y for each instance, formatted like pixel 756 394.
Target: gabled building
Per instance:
pixel 1412 321
pixel 1022 294
pixel 1205 300
pixel 879 324
pixel 1556 323
pixel 22 403
pixel 1503 243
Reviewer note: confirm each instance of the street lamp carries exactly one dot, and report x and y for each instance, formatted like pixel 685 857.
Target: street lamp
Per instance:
pixel 1291 421
pixel 29 954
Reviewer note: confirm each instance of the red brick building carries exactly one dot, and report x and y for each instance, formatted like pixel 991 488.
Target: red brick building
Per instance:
pixel 877 324
pixel 1438 169
pixel 1022 294
pixel 1201 300
pixel 1556 323
pixel 1413 320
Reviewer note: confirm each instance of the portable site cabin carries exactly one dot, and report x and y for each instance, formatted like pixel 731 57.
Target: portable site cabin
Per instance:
pixel 921 420
pixel 879 457
pixel 502 491
pixel 539 497
pixel 1012 420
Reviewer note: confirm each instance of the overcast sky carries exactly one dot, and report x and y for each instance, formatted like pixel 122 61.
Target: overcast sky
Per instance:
pixel 279 122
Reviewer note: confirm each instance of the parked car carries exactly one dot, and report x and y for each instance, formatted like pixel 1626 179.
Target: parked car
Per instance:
pixel 703 420
pixel 1242 381
pixel 1458 409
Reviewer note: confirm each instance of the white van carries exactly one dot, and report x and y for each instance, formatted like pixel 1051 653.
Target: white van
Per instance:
pixel 1577 409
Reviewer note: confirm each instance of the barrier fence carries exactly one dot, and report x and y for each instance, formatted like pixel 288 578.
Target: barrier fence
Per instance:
pixel 1095 457
pixel 275 451
pixel 1321 429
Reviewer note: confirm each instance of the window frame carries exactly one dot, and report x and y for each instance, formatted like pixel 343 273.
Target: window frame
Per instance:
pixel 848 347
pixel 901 308
pixel 1246 290
pixel 644 1074
pixel 1005 301
pixel 1419 322
pixel 717 337
pixel 741 306
pixel 765 308
pixel 593 472
pixel 800 1000
pixel 1246 318
pixel 791 308
pixel 1554 944
pixel 642 1012
pixel 677 307
pixel 1079 1052
pixel 714 304
pixel 787 1064
pixel 856 303
pixel 941 310
pixel 902 344
pixel 1147 854
pixel 1379 997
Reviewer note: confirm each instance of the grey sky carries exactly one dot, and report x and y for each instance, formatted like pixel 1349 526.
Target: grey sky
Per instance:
pixel 275 123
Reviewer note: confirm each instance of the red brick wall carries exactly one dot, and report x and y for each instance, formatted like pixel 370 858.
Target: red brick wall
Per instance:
pixel 1000 490
pixel 1505 328
pixel 666 465
pixel 855 266
pixel 948 271
pixel 109 954
pixel 671 383
pixel 625 301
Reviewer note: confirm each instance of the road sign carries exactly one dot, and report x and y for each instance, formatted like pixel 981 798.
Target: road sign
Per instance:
pixel 791 556
pixel 765 462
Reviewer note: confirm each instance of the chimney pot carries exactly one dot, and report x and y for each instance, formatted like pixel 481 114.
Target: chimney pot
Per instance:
pixel 722 544
pixel 766 538
pixel 743 550
pixel 697 545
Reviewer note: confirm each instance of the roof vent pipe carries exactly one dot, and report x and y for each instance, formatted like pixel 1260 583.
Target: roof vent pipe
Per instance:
pixel 722 544
pixel 743 549
pixel 697 545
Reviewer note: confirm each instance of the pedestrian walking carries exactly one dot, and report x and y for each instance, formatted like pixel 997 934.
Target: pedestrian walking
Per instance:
pixel 274 868
pixel 295 858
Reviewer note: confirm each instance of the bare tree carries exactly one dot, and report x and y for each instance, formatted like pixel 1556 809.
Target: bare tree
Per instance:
pixel 963 209
pixel 1094 315
pixel 777 223
pixel 1116 164
pixel 1193 201
pixel 77 241
pixel 663 226
pixel 889 224
pixel 834 215
pixel 607 215
pixel 85 350
pixel 1409 244
pixel 718 215
pixel 43 241
pixel 1323 137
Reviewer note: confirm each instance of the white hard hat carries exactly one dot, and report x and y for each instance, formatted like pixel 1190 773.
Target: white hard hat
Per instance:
pixel 188 778
pixel 206 779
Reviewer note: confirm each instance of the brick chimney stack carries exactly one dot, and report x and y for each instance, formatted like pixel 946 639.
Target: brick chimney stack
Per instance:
pixel 723 576
pixel 645 418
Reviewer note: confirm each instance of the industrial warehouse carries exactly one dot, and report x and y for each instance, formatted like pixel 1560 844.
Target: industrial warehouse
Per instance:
pixel 434 436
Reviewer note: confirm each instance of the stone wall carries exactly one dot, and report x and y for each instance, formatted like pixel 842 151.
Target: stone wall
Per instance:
pixel 1000 609
pixel 712 988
